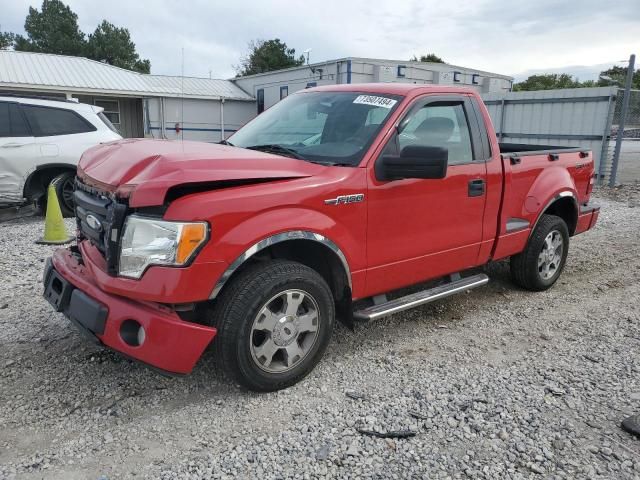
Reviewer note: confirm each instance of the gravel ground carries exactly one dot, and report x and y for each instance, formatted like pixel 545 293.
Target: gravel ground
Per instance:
pixel 496 383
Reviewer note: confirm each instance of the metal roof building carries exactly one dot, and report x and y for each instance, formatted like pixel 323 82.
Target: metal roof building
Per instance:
pixel 137 104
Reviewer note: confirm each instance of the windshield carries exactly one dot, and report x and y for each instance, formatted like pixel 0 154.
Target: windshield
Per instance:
pixel 334 128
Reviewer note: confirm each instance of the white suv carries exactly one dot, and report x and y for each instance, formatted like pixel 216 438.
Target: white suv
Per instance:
pixel 42 141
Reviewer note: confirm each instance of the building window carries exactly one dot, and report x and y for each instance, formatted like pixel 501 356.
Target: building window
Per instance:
pixel 284 91
pixel 475 78
pixel 401 69
pixel 260 98
pixel 456 76
pixel 312 84
pixel 111 109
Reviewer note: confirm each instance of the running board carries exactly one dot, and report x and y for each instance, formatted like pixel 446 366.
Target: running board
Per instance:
pixel 420 298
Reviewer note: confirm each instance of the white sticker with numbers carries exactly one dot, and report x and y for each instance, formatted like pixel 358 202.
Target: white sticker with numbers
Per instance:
pixel 383 102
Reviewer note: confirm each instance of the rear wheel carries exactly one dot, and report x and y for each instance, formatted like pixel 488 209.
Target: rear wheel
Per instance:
pixel 64 187
pixel 539 266
pixel 274 323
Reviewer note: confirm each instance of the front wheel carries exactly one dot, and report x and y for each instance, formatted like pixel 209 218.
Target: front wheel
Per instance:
pixel 274 323
pixel 540 264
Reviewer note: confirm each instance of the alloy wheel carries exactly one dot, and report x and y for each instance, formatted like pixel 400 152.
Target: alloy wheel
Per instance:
pixel 284 331
pixel 550 257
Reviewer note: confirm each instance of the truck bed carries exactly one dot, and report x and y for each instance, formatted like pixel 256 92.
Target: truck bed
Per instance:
pixel 523 149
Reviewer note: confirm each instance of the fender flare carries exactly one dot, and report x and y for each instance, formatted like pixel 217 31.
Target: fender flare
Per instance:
pixel 555 198
pixel 272 240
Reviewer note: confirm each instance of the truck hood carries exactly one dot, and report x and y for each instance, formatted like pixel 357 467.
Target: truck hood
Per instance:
pixel 145 170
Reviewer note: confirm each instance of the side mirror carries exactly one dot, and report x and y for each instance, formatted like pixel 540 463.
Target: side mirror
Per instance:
pixel 415 161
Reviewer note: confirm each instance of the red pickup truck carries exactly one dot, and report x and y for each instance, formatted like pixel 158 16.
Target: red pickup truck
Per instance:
pixel 315 210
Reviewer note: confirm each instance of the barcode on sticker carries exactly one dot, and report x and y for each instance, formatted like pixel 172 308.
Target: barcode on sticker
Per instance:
pixel 383 102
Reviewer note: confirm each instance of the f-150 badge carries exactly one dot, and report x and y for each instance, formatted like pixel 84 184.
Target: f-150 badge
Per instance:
pixel 344 199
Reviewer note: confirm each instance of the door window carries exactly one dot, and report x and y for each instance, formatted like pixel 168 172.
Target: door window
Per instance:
pixel 5 124
pixel 49 121
pixel 440 125
pixel 12 122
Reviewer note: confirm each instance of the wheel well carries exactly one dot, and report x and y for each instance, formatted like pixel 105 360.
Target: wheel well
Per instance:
pixel 566 209
pixel 314 255
pixel 318 257
pixel 36 185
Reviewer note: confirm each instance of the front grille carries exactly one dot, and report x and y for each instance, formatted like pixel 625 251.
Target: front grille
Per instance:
pixel 100 218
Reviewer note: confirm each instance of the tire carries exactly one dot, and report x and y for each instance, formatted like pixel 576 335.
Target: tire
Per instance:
pixel 265 320
pixel 632 425
pixel 530 269
pixel 63 185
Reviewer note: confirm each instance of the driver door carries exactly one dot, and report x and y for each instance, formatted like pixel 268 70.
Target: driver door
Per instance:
pixel 420 229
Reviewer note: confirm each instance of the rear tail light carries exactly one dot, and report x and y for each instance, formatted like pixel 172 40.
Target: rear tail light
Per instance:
pixel 592 181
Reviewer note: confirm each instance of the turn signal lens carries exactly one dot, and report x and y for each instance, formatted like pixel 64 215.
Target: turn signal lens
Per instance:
pixel 191 237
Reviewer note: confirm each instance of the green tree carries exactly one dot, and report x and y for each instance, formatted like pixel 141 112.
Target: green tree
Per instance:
pixel 265 56
pixel 113 45
pixel 428 58
pixel 619 76
pixel 7 39
pixel 55 29
pixel 52 30
pixel 547 81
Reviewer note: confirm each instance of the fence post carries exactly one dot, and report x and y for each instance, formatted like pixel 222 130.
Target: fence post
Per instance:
pixel 623 117
pixel 501 120
pixel 604 150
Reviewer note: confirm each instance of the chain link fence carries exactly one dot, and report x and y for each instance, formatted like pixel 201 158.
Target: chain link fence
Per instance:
pixel 628 161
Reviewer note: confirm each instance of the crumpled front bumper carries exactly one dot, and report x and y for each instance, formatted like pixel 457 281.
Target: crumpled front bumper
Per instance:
pixel 167 343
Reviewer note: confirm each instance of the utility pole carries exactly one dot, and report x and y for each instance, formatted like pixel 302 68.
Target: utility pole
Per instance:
pixel 623 117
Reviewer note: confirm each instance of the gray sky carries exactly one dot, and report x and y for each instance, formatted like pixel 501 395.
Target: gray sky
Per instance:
pixel 511 37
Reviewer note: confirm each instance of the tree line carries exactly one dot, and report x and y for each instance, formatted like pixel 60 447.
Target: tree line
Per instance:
pixel 615 75
pixel 54 29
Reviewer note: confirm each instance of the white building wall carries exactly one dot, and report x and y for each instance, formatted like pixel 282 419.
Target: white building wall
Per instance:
pixel 293 79
pixel 365 70
pixel 199 120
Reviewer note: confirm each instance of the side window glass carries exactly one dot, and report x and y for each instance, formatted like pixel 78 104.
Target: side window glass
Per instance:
pixel 19 127
pixel 5 125
pixel 437 125
pixel 46 121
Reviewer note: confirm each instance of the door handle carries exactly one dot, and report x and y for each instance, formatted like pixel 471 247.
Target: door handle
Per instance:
pixel 13 145
pixel 476 187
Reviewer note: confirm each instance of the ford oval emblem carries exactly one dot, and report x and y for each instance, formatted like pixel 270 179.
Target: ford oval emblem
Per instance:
pixel 93 222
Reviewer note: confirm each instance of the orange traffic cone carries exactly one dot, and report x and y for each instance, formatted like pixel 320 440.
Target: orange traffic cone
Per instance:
pixel 55 232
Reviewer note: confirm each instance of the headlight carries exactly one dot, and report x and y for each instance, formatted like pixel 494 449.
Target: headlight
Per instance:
pixel 149 241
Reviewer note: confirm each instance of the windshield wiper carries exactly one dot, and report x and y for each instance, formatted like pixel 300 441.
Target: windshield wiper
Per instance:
pixel 275 148
pixel 330 164
pixel 224 142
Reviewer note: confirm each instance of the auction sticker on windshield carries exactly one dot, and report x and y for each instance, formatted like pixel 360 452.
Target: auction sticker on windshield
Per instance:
pixel 376 101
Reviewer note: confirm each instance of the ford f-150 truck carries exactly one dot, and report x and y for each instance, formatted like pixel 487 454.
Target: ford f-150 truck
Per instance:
pixel 317 209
